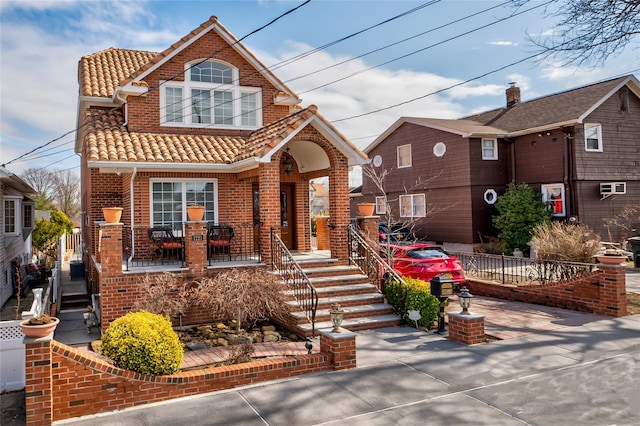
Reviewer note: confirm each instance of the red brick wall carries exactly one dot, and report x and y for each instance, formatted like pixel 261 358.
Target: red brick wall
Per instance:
pixel 602 292
pixel 468 330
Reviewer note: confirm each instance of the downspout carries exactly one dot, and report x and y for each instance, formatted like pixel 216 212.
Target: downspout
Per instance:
pixel 569 171
pixel 133 234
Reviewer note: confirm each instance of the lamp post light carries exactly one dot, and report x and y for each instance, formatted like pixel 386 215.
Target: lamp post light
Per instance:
pixel 337 315
pixel 465 300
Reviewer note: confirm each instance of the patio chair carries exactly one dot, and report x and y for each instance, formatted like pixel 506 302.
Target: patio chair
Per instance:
pixel 219 239
pixel 167 245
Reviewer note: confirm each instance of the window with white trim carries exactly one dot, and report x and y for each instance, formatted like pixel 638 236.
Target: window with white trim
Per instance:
pixel 170 198
pixel 553 195
pixel 593 137
pixel 413 205
pixel 210 96
pixel 12 215
pixel 489 149
pixel 381 205
pixel 404 156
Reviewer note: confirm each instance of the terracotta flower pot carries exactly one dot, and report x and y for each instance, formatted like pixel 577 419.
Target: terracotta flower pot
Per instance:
pixel 195 213
pixel 611 260
pixel 112 214
pixel 40 330
pixel 366 209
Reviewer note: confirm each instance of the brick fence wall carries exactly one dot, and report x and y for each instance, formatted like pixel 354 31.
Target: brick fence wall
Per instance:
pixel 64 382
pixel 602 291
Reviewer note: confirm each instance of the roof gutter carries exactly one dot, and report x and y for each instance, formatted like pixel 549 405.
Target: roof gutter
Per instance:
pixel 543 128
pixel 133 234
pixel 129 167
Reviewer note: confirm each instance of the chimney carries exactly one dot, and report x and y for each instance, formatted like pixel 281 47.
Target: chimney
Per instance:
pixel 513 94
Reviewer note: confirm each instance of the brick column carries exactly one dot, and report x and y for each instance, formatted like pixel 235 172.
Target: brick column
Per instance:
pixel 466 329
pixel 195 247
pixel 110 268
pixel 613 291
pixel 368 225
pixel 341 348
pixel 322 232
pixel 339 207
pixel 38 384
pixel 269 184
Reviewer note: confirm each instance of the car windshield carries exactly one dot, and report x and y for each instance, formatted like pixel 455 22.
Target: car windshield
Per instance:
pixel 427 253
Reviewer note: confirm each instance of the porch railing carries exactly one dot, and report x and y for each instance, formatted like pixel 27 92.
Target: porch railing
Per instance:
pixel 295 279
pixel 233 243
pixel 369 261
pixel 151 246
pixel 518 270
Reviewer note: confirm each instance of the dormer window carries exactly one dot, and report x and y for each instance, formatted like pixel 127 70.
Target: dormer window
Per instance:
pixel 210 97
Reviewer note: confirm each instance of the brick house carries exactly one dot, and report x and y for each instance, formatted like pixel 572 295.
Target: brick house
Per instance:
pixel 580 149
pixel 203 122
pixel 17 218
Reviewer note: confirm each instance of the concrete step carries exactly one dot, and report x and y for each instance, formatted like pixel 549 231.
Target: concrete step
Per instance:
pixel 358 324
pixel 326 271
pixel 74 301
pixel 322 315
pixel 350 300
pixel 336 280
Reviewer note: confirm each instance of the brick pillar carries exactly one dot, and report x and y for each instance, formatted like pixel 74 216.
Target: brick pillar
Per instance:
pixel 368 225
pixel 110 270
pixel 613 291
pixel 322 232
pixel 341 348
pixel 269 184
pixel 466 329
pixel 339 207
pixel 195 247
pixel 38 384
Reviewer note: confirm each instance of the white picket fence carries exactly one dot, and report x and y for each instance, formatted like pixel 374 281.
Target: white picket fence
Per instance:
pixel 12 351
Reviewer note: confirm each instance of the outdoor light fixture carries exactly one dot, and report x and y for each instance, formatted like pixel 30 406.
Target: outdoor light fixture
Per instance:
pixel 465 300
pixel 337 316
pixel 288 162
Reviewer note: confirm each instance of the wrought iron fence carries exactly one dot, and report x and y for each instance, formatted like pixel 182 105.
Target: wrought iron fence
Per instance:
pixel 369 261
pixel 151 246
pixel 518 270
pixel 295 279
pixel 226 243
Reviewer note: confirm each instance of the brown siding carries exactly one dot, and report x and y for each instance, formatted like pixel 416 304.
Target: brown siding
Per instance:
pixel 540 158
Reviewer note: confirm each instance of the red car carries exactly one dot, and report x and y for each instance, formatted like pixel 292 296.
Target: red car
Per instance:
pixel 426 261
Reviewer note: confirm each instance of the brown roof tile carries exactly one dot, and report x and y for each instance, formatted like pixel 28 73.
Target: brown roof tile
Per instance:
pixel 100 73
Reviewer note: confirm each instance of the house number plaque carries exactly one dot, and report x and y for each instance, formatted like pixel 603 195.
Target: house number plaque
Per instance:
pixel 197 238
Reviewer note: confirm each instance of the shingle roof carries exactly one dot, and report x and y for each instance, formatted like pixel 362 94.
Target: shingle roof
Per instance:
pixel 556 108
pixel 461 126
pixel 107 139
pixel 100 73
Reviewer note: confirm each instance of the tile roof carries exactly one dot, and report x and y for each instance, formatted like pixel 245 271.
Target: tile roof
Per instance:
pixel 100 73
pixel 547 110
pixel 108 139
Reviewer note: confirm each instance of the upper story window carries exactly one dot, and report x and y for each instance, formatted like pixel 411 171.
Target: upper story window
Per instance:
pixel 553 195
pixel 11 215
pixel 27 215
pixel 404 156
pixel 593 137
pixel 170 198
pixel 381 205
pixel 413 205
pixel 489 149
pixel 210 97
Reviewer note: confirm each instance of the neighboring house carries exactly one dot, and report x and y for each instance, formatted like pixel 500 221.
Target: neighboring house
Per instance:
pixel 204 122
pixel 319 198
pixel 579 148
pixel 17 216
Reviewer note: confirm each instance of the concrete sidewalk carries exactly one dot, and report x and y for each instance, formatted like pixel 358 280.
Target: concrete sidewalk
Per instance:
pixel 584 374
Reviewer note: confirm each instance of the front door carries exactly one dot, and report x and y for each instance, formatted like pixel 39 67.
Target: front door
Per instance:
pixel 287 216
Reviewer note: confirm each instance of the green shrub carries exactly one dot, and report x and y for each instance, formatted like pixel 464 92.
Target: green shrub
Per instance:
pixel 415 297
pixel 143 342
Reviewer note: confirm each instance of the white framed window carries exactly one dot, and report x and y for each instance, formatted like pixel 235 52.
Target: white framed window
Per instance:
pixel 489 149
pixel 12 210
pixel 170 198
pixel 593 137
pixel 381 205
pixel 27 215
pixel 210 96
pixel 404 156
pixel 413 205
pixel 553 195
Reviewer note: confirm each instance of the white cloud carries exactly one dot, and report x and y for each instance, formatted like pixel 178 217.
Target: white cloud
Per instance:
pixel 502 43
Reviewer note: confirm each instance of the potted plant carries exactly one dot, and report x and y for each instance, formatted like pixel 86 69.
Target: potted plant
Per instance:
pixel 366 209
pixel 112 214
pixel 611 257
pixel 195 212
pixel 39 326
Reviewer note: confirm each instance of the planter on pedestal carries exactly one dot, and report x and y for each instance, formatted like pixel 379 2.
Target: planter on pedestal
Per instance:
pixel 40 326
pixel 112 214
pixel 611 259
pixel 366 209
pixel 195 213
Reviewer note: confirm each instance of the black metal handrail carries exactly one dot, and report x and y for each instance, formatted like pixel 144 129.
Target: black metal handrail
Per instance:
pixel 294 277
pixel 370 262
pixel 519 270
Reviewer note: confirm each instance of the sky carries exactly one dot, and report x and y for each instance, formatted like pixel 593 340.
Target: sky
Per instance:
pixel 394 63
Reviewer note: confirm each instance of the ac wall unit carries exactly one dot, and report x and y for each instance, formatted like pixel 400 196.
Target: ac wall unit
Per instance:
pixel 613 188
